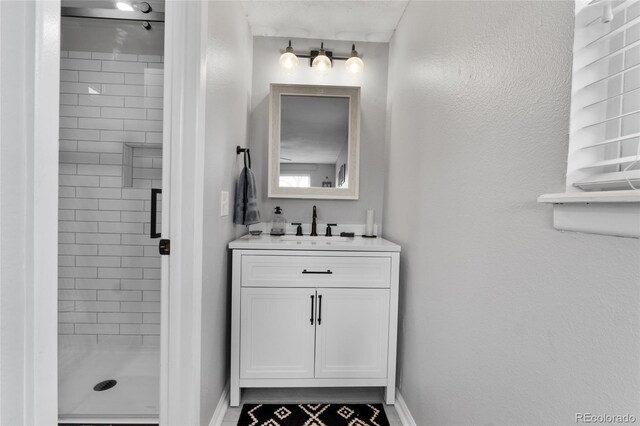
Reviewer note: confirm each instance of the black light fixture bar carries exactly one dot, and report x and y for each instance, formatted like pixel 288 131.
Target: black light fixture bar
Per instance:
pixel 315 52
pixel 329 54
pixel 312 54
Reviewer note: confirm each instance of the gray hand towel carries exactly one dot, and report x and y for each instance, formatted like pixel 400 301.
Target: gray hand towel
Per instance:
pixel 246 204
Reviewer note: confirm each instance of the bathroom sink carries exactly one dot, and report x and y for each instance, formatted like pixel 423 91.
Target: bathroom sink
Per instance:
pixel 315 240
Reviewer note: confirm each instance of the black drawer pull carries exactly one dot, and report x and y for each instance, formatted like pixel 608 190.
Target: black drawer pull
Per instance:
pixel 328 271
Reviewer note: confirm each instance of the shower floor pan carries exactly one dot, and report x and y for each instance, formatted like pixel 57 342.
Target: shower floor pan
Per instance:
pixel 134 398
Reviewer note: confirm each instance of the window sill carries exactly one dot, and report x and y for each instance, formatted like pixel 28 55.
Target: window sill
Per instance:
pixel 591 197
pixel 615 213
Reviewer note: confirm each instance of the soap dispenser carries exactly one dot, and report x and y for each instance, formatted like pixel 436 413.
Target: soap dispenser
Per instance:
pixel 279 223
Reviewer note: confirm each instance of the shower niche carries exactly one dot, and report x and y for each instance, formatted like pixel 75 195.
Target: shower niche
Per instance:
pixel 142 166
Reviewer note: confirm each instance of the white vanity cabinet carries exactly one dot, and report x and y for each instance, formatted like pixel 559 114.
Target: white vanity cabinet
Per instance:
pixel 313 316
pixel 292 333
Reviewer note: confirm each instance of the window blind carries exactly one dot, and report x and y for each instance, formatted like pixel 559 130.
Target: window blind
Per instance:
pixel 604 145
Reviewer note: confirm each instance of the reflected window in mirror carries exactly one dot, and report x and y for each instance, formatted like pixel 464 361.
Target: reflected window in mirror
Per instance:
pixel 295 181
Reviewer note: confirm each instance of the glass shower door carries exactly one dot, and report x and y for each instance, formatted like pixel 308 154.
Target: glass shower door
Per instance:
pixel 111 97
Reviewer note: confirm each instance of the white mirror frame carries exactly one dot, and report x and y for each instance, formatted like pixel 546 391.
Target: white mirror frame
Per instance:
pixel 353 161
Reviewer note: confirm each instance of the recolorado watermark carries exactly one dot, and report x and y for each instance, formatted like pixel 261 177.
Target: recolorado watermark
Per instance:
pixel 588 418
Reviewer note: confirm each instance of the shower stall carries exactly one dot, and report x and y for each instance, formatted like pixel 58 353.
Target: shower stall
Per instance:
pixel 110 181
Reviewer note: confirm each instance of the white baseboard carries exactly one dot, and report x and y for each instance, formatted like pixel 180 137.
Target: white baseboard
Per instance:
pixel 221 408
pixel 403 411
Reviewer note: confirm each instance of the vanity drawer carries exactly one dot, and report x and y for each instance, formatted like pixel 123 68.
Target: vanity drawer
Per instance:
pixel 315 271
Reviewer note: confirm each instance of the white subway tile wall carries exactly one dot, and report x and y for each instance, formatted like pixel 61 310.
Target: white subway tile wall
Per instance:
pixel 110 158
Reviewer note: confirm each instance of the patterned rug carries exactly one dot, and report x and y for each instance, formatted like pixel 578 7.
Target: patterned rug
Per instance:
pixel 313 415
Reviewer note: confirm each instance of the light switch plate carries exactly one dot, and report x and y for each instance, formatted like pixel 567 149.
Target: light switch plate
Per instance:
pixel 224 203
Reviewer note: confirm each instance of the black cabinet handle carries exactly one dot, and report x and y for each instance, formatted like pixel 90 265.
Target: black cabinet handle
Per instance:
pixel 311 319
pixel 328 271
pixel 154 212
pixel 319 309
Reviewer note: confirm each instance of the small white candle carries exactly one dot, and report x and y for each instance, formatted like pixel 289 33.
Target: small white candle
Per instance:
pixel 368 229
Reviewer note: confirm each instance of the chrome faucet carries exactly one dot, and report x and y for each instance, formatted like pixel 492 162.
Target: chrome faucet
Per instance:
pixel 314 233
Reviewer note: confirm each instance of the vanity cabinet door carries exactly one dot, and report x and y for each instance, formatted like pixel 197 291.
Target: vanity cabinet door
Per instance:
pixel 352 333
pixel 276 333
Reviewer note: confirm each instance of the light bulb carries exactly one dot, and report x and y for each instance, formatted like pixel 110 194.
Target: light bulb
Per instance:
pixel 124 6
pixel 321 63
pixel 289 60
pixel 354 64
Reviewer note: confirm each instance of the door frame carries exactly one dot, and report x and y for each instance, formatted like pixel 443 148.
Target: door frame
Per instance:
pixel 41 316
pixel 183 146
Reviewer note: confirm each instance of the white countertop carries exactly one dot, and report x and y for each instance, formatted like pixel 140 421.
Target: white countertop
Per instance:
pixel 268 242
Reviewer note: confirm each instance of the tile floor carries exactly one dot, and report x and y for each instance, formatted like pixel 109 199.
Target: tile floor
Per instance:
pixel 347 395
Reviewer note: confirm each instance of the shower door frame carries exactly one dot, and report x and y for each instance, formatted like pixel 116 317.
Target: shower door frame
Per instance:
pixel 183 178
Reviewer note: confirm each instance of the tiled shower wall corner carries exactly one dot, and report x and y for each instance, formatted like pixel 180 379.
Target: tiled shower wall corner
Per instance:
pixel 110 157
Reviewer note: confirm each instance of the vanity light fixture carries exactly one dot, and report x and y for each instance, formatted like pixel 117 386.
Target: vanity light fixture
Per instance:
pixel 320 60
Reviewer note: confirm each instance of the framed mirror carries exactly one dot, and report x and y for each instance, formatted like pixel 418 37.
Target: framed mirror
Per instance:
pixel 314 142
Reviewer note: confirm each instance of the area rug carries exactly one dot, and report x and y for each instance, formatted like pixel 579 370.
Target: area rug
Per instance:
pixel 313 415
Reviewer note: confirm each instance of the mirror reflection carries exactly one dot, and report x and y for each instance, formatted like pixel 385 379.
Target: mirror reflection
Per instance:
pixel 314 141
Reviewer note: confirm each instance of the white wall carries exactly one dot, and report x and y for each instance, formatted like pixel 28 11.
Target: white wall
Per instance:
pixel 229 45
pixel 342 159
pixel 373 82
pixel 503 319
pixel 28 252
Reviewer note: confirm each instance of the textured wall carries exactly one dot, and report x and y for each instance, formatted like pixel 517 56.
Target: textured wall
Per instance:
pixel 228 93
pixel 109 267
pixel 503 319
pixel 373 82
